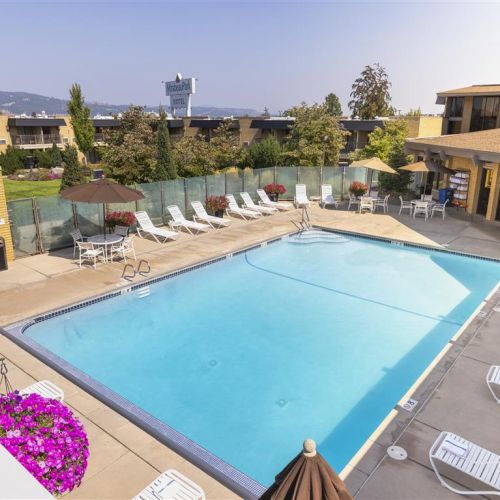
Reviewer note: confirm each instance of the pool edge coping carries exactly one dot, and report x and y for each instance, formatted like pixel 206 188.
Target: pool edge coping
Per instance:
pixel 220 470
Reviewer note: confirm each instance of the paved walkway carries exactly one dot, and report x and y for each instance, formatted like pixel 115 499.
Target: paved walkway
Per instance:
pixel 124 458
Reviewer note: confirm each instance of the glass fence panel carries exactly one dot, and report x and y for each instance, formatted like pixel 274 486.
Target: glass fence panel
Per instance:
pixel 216 185
pixel 266 176
pixel 56 221
pixel 196 191
pixel 311 177
pixel 251 182
pixel 288 177
pixel 90 218
pixel 23 227
pixel 151 202
pixel 333 176
pixel 234 183
pixel 353 174
pixel 173 193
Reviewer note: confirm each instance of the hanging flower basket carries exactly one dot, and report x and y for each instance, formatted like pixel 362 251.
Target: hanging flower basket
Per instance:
pixel 46 438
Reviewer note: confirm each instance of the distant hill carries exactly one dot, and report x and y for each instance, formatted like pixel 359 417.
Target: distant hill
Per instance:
pixel 23 102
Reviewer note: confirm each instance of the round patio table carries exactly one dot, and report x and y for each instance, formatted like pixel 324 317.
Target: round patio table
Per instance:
pixel 105 241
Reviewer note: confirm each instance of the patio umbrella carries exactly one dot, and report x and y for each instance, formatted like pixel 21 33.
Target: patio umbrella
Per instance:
pixel 307 477
pixel 373 164
pixel 425 167
pixel 102 191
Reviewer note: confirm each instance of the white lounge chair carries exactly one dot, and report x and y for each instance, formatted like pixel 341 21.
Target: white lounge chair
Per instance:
pixel 493 381
pixel 171 485
pixel 381 202
pixel 249 203
pixel 180 221
pixel 439 207
pixel 44 388
pixel 267 202
pixel 201 214
pixel 365 204
pixel 465 463
pixel 87 251
pixel 301 199
pixel 353 200
pixel 234 209
pixel 405 205
pixel 144 225
pixel 327 196
pixel 421 207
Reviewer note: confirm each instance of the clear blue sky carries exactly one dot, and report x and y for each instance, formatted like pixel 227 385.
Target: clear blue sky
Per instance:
pixel 246 54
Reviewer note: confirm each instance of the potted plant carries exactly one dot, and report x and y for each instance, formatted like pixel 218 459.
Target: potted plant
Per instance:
pixel 274 191
pixel 46 438
pixel 118 218
pixel 216 205
pixel 358 188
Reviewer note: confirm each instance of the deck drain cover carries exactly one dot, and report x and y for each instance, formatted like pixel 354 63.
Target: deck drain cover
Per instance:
pixel 213 362
pixel 282 402
pixel 397 453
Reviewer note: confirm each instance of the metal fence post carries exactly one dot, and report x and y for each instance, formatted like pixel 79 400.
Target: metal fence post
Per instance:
pixel 185 197
pixel 243 180
pixel 260 179
pixel 162 202
pixel 36 219
pixel 75 214
pixel 206 187
pixel 342 182
pixel 275 175
pixel 298 174
pixel 320 179
pixel 225 183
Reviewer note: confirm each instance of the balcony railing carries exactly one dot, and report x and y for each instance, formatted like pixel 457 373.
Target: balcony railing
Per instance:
pixel 34 139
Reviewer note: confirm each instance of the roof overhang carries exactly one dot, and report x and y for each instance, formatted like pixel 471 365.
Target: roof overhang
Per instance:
pixel 36 122
pixel 106 122
pixel 264 124
pixel 362 125
pixel 211 124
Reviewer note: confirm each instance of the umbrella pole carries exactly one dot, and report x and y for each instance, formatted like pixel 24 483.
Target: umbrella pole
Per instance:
pixel 104 220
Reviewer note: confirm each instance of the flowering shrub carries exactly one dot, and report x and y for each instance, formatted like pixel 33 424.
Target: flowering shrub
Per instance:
pixel 275 189
pixel 358 188
pixel 53 176
pixel 118 218
pixel 46 438
pixel 216 203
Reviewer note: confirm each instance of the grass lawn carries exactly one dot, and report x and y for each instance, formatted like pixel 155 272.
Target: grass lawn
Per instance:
pixel 28 189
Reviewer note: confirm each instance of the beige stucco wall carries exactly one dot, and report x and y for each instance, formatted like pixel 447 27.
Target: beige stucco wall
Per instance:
pixel 4 134
pixel 424 126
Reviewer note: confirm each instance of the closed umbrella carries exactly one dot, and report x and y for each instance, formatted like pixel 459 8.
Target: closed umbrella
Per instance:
pixel 373 164
pixel 425 167
pixel 307 477
pixel 102 191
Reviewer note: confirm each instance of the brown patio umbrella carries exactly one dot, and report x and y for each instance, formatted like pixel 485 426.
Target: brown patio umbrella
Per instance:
pixel 307 477
pixel 102 191
pixel 373 164
pixel 425 167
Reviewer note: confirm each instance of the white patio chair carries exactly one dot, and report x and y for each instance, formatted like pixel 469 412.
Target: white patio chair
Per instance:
pixel 353 201
pixel 46 389
pixel 180 221
pixel 171 485
pixel 465 463
pixel 201 214
pixel 327 196
pixel 77 236
pixel 124 248
pixel 365 204
pixel 87 251
pixel 121 230
pixel 405 205
pixel 145 226
pixel 381 202
pixel 266 201
pixel 301 199
pixel 421 207
pixel 427 197
pixel 493 381
pixel 234 209
pixel 439 207
pixel 250 205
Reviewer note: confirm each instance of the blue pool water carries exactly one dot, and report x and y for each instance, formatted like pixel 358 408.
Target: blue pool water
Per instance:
pixel 249 356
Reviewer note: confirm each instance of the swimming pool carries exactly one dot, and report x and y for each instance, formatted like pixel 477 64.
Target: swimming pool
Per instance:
pixel 250 355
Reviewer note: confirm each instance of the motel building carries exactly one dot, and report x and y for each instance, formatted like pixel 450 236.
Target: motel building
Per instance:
pixel 469 144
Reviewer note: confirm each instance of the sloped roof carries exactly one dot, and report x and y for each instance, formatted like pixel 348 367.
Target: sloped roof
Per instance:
pixel 492 89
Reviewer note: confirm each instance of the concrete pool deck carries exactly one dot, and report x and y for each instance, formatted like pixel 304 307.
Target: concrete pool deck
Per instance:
pixel 124 458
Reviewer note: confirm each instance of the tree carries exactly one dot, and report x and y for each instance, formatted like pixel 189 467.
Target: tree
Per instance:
pixel 132 147
pixel 388 144
pixel 370 95
pixel 55 156
pixel 165 166
pixel 315 138
pixel 333 104
pixel 224 147
pixel 80 120
pixel 11 160
pixel 264 154
pixel 192 156
pixel 73 174
pixel 414 112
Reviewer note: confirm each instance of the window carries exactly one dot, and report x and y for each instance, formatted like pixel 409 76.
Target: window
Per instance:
pixel 454 107
pixel 454 127
pixel 484 113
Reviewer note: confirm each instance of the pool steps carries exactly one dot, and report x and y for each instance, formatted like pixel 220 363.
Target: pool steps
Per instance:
pixel 314 236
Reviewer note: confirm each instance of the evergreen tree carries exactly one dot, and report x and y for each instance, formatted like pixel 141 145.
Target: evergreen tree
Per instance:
pixel 333 104
pixel 263 154
pixel 11 160
pixel 165 166
pixel 80 120
pixel 72 175
pixel 55 156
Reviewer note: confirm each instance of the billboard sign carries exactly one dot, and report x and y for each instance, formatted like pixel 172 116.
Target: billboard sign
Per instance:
pixel 180 91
